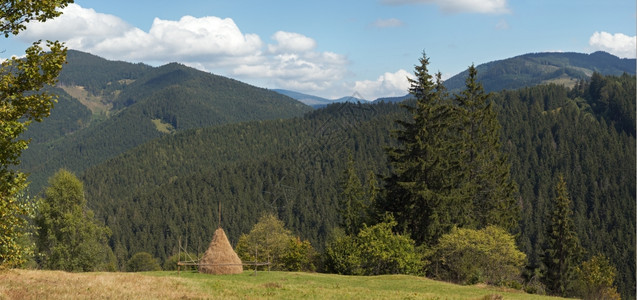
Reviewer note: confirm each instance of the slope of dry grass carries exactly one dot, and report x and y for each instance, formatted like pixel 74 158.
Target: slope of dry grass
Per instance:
pixel 29 284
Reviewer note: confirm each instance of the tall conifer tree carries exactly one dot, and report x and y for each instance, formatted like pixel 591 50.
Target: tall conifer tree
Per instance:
pixel 563 250
pixel 486 176
pixel 352 207
pixel 419 192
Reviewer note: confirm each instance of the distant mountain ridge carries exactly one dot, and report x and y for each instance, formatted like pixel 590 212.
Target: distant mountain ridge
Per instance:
pixel 562 68
pixel 318 102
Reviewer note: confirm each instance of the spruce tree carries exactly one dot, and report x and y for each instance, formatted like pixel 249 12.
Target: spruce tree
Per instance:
pixel 486 179
pixel 419 192
pixel 352 200
pixel 563 250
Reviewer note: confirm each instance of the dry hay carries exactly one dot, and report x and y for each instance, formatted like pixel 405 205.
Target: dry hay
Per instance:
pixel 220 258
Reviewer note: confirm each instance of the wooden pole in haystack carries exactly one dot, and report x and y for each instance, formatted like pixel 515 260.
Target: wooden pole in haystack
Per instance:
pixel 219 216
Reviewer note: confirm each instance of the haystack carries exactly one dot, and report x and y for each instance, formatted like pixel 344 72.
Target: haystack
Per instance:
pixel 220 258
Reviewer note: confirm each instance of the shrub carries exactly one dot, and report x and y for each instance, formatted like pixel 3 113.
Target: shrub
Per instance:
pixel 298 256
pixel 375 250
pixel 341 254
pixel 270 241
pixel 470 256
pixel 142 261
pixel 597 279
pixel 384 252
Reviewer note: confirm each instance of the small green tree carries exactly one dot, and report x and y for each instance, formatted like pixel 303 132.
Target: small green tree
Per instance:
pixel 563 251
pixel 68 237
pixel 342 255
pixel 469 256
pixel 384 252
pixel 355 203
pixel 298 256
pixel 597 279
pixel 141 262
pixel 269 241
pixel 375 250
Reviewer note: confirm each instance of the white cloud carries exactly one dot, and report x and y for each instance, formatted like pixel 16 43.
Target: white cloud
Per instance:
pixel 387 23
pixel 291 42
pixel 187 40
pixel 387 85
pixel 618 44
pixel 461 6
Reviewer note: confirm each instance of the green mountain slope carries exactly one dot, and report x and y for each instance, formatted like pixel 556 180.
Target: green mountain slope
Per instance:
pixel 132 104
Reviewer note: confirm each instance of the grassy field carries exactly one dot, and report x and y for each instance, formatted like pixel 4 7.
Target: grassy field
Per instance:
pixel 30 284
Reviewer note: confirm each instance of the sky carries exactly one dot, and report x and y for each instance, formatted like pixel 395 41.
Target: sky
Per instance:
pixel 332 48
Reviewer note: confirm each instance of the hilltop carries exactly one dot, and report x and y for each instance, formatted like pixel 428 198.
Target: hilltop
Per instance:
pixel 544 68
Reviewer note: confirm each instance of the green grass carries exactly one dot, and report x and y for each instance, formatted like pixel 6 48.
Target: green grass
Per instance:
pixel 35 284
pixel 163 127
pixel 295 285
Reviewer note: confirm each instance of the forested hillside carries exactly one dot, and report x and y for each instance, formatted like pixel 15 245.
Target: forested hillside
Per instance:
pixel 170 188
pixel 132 104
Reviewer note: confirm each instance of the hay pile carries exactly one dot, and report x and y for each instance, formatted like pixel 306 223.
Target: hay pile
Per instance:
pixel 220 258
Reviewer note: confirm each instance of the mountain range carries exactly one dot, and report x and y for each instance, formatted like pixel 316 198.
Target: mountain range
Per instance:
pixel 108 107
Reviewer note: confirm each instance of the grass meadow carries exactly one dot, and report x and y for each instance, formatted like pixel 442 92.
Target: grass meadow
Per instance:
pixel 37 284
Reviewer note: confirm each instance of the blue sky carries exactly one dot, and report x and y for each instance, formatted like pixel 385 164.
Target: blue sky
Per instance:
pixel 335 48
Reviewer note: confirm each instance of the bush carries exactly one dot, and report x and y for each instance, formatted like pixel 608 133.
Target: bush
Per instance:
pixel 269 241
pixel 341 254
pixel 383 252
pixel 375 250
pixel 142 261
pixel 470 256
pixel 597 279
pixel 298 256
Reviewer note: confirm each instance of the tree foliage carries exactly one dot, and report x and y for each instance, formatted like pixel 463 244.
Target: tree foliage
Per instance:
pixel 21 102
pixel 563 250
pixel 420 191
pixel 269 241
pixel 142 262
pixel 375 250
pixel 486 179
pixel 15 242
pixel 448 169
pixel 14 14
pixel 356 204
pixel 470 256
pixel 597 279
pixel 68 237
